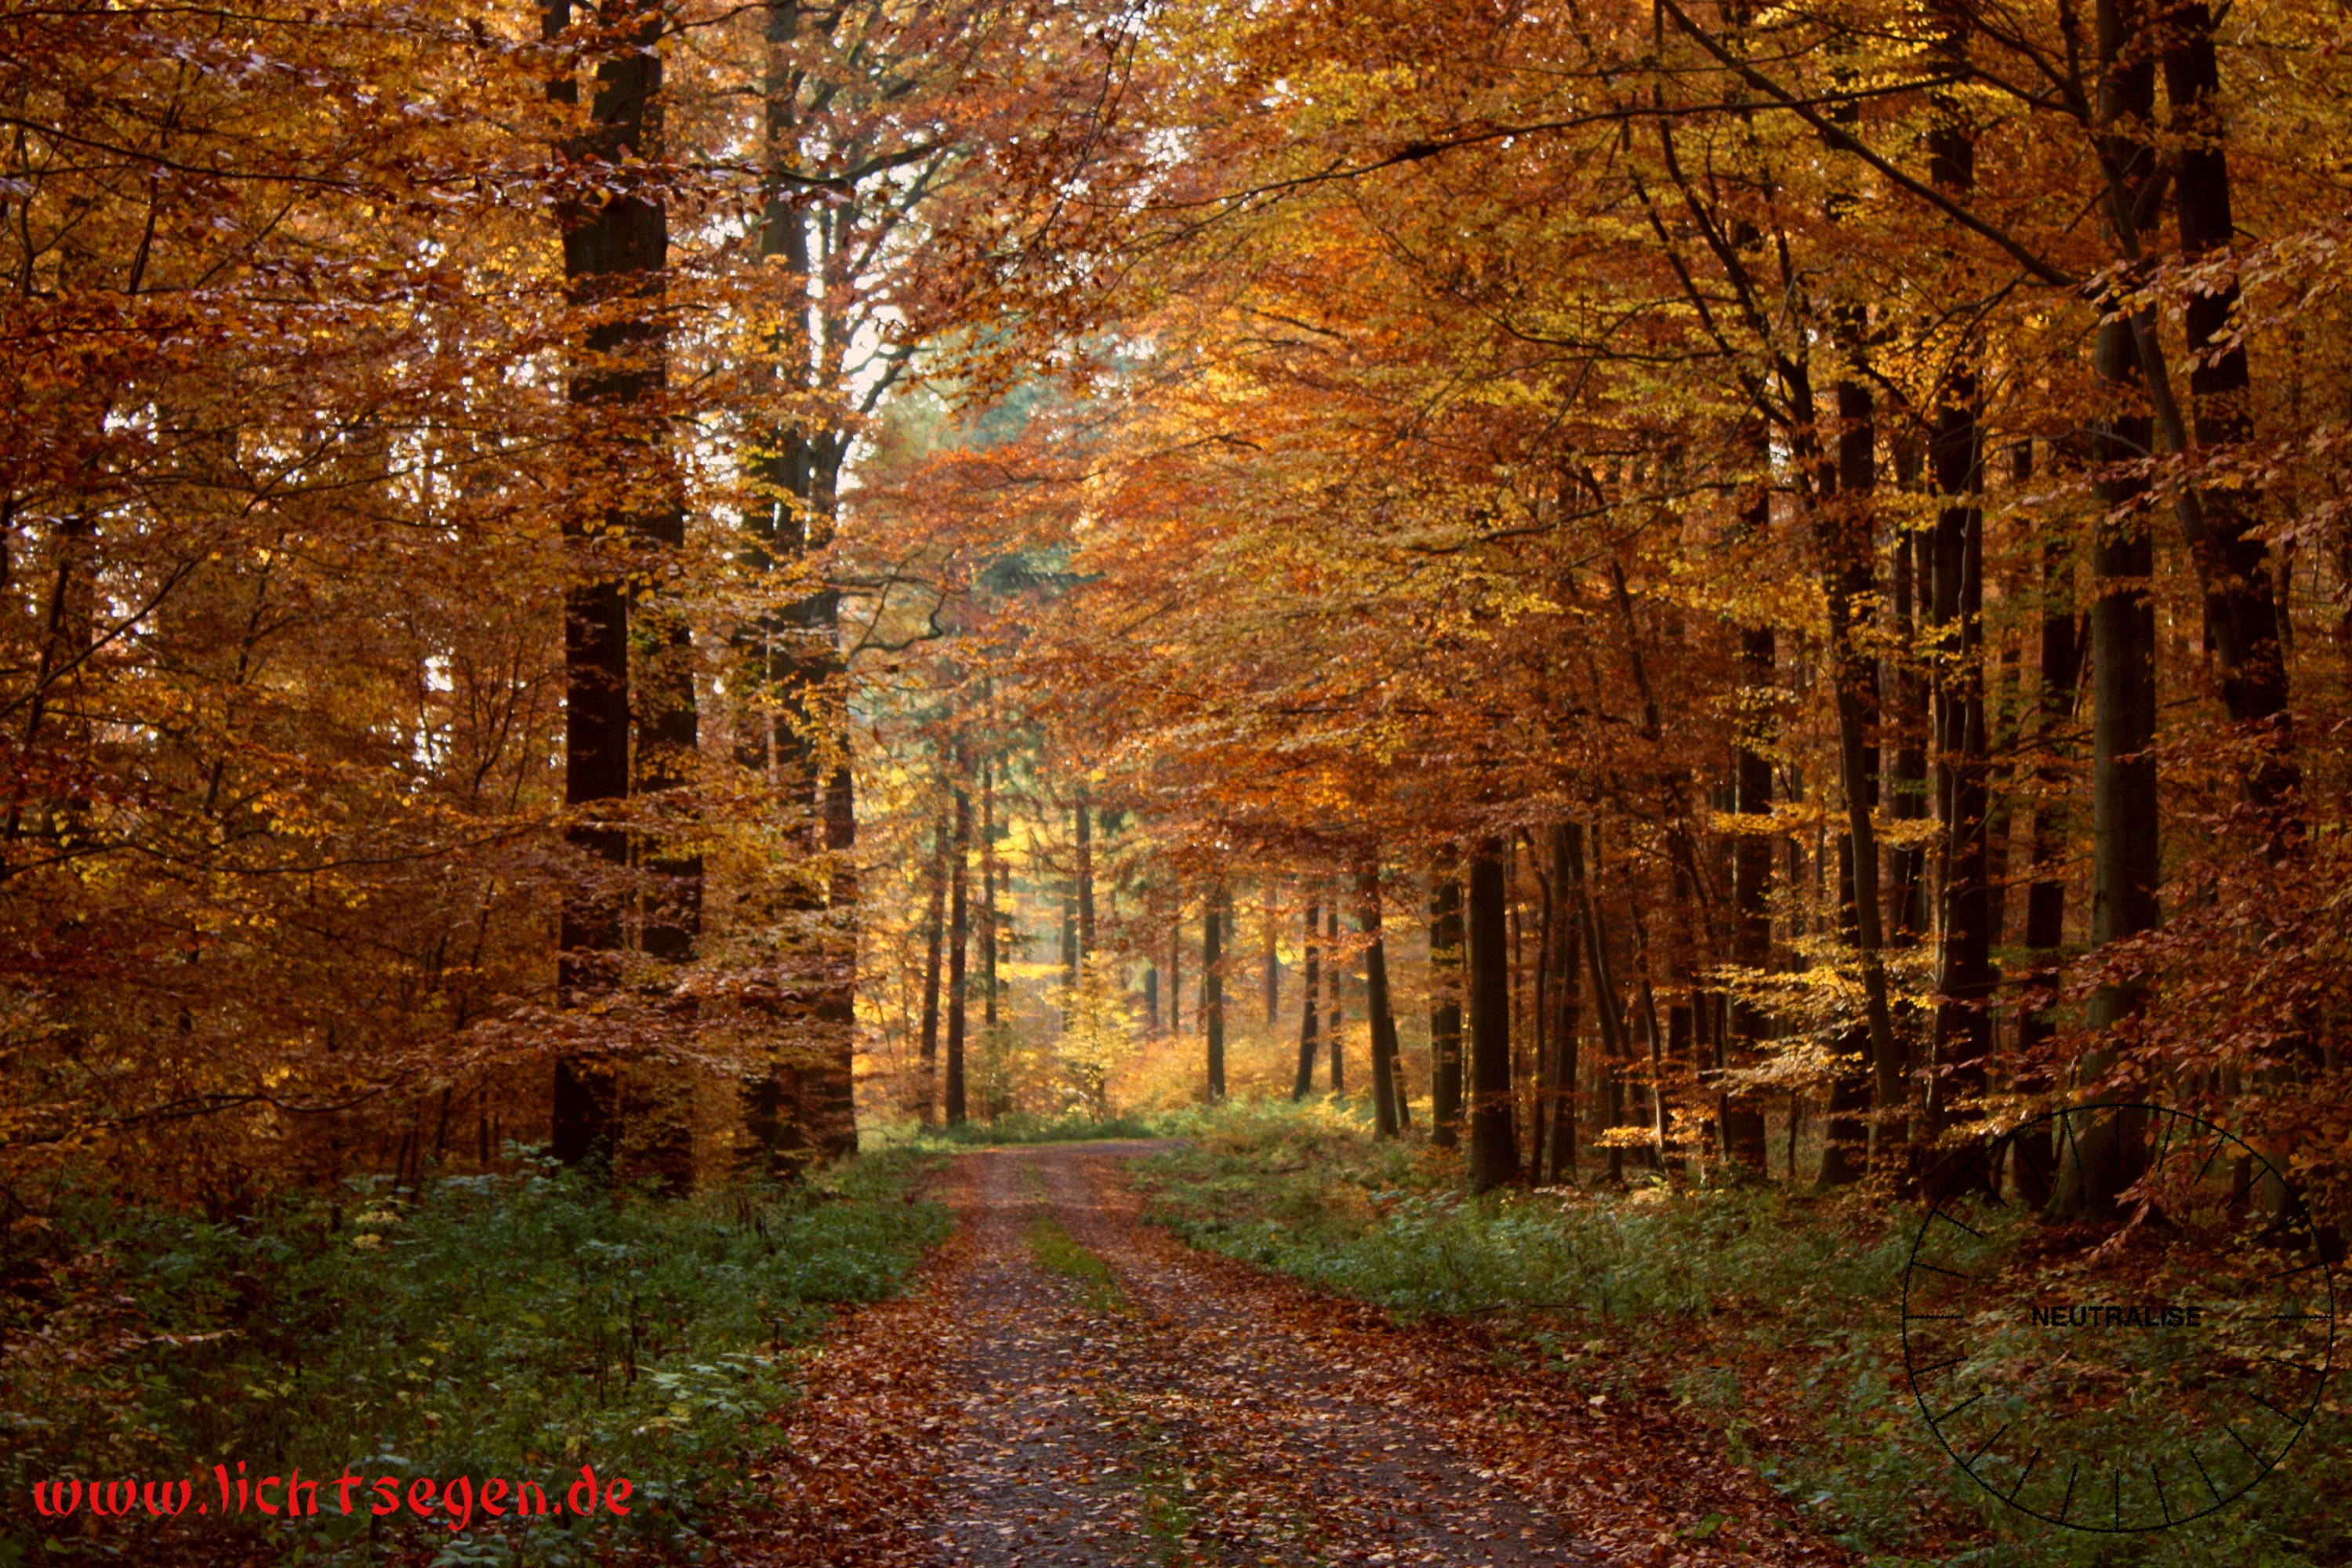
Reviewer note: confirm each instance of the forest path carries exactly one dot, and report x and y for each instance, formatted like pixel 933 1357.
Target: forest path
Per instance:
pixel 1072 1388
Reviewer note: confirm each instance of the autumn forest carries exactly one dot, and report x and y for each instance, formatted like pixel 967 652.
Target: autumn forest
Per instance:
pixel 733 735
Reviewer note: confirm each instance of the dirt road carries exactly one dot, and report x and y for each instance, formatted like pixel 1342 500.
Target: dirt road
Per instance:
pixel 1069 1386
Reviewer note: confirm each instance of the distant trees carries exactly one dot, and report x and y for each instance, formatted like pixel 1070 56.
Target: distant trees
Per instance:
pixel 1717 434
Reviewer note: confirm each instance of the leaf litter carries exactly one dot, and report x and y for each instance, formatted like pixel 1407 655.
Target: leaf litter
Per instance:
pixel 1066 1386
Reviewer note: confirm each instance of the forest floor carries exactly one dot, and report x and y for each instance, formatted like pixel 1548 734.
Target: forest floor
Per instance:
pixel 1069 1386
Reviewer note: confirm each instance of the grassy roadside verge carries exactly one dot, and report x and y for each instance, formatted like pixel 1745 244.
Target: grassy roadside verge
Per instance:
pixel 1022 1127
pixel 1772 1320
pixel 515 1326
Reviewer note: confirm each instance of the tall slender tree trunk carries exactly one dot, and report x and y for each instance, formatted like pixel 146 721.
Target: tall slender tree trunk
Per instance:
pixel 1965 979
pixel 1494 1144
pixel 988 917
pixel 802 1104
pixel 2004 727
pixel 935 933
pixel 1843 525
pixel 1751 852
pixel 1963 1039
pixel 1752 895
pixel 1608 1006
pixel 1845 1130
pixel 1444 1008
pixel 1559 1163
pixel 1337 1015
pixel 1212 990
pixel 1310 980
pixel 1657 1063
pixel 1907 721
pixel 1086 813
pixel 68 627
pixel 666 763
pixel 1387 1117
pixel 1537 1021
pixel 829 1091
pixel 1176 974
pixel 1273 962
pixel 958 941
pixel 2045 899
pixel 2231 558
pixel 615 249
pixel 2124 826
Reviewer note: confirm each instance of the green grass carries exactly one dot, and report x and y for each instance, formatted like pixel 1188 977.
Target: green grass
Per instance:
pixel 1057 1252
pixel 1733 1306
pixel 516 1326
pixel 1026 1127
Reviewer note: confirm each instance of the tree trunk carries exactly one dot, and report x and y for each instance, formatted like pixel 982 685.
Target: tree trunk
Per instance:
pixel 1608 1007
pixel 1751 852
pixel 959 940
pixel 1445 1010
pixel 935 932
pixel 1527 1002
pixel 2124 826
pixel 1310 979
pixel 1963 1034
pixel 667 759
pixel 1845 528
pixel 1273 963
pixel 1559 1140
pixel 1387 1117
pixel 1965 979
pixel 1176 975
pixel 802 1104
pixel 1657 1067
pixel 1845 1142
pixel 1494 1147
pixel 1085 945
pixel 828 1105
pixel 1751 880
pixel 2004 726
pixel 1844 523
pixel 615 247
pixel 2054 705
pixel 1522 992
pixel 2231 558
pixel 659 1141
pixel 1907 722
pixel 1534 1025
pixel 988 897
pixel 1337 1015
pixel 1212 990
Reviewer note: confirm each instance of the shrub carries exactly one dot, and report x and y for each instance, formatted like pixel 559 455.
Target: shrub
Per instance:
pixel 511 1325
pixel 1743 1303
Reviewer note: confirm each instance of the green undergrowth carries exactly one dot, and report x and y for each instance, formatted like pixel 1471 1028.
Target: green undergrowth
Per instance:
pixel 1773 1320
pixel 1059 1252
pixel 517 1326
pixel 1026 1127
